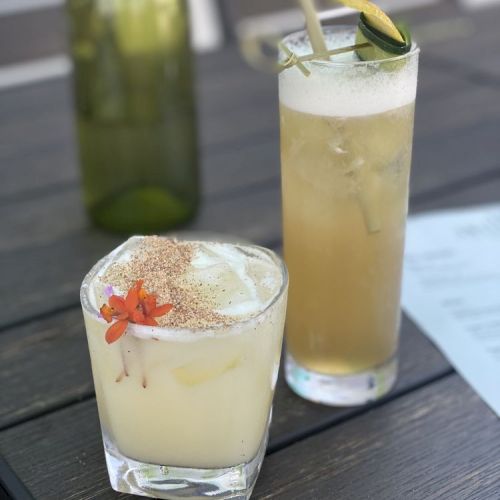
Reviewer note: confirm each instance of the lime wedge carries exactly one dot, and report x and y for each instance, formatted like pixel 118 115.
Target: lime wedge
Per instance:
pixel 375 17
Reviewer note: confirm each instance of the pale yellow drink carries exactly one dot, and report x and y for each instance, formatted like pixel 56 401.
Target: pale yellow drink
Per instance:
pixel 346 137
pixel 193 397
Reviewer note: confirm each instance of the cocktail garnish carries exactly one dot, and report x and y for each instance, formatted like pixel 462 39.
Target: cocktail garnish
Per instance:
pixel 375 27
pixel 293 59
pixel 382 47
pixel 377 37
pixel 137 307
pixel 375 17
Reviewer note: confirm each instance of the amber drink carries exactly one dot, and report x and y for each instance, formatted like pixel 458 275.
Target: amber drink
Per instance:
pixel 346 140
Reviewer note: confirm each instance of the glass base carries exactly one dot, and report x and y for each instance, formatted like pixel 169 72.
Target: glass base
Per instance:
pixel 163 481
pixel 341 390
pixel 142 210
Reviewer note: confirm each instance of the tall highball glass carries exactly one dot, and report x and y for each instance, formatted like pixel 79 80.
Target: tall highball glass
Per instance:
pixel 346 141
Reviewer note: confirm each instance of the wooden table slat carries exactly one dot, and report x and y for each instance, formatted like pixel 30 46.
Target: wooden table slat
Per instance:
pixel 407 448
pixel 440 442
pixel 43 35
pixel 11 487
pixel 476 51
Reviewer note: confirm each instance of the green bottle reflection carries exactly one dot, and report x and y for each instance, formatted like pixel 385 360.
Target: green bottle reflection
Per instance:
pixel 135 112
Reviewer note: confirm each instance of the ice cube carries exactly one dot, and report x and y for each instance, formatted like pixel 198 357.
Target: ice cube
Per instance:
pixel 203 370
pixel 223 271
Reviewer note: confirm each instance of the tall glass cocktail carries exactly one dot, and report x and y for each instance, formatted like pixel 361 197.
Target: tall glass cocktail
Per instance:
pixel 346 140
pixel 185 404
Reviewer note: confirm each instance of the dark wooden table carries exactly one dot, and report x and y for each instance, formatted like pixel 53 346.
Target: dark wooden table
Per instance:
pixel 432 437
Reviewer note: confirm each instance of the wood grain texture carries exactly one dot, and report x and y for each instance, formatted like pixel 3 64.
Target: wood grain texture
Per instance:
pixel 440 442
pixel 11 487
pixel 43 365
pixel 32 34
pixel 75 471
pixel 473 51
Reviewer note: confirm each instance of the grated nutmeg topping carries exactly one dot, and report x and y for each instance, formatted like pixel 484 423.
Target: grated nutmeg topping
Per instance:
pixel 162 264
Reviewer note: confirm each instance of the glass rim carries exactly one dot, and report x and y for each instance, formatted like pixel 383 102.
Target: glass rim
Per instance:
pixel 185 333
pixel 415 50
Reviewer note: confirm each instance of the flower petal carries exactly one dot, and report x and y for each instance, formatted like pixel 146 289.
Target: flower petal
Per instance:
pixel 161 310
pixel 137 316
pixel 149 304
pixel 106 313
pixel 116 330
pixel 150 321
pixel 117 303
pixel 132 300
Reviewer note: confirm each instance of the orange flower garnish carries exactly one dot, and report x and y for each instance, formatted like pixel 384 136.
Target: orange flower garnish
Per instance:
pixel 137 307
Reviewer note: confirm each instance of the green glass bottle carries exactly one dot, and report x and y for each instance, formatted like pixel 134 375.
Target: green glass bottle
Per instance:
pixel 135 108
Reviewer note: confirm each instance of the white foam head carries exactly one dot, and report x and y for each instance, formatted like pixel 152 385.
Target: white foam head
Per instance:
pixel 346 86
pixel 241 280
pixel 246 278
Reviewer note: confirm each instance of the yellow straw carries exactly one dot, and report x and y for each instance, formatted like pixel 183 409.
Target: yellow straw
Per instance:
pixel 314 28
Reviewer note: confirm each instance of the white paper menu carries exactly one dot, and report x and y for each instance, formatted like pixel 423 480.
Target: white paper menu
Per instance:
pixel 451 290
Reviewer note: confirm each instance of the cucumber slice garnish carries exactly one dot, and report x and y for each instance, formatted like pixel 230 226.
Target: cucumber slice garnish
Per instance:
pixel 382 46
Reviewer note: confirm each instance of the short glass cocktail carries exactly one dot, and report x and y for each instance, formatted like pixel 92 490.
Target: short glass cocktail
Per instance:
pixel 346 141
pixel 185 405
